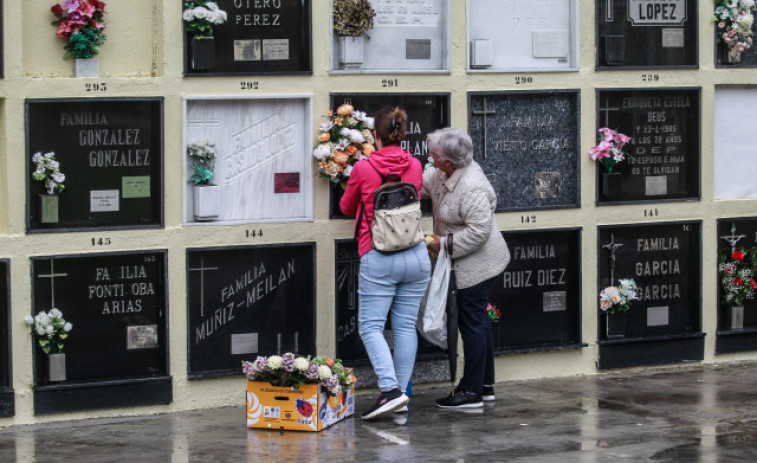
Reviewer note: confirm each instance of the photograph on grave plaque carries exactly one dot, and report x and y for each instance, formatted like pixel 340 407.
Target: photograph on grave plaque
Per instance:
pixel 646 34
pixel 251 37
pixel 104 296
pixel 349 346
pixel 245 301
pixel 735 169
pixel 517 35
pixel 426 112
pixel 406 36
pixel 248 159
pixel 528 143
pixel 734 32
pixel 665 262
pixel 539 293
pixel 664 154
pixel 110 152
pixel 6 389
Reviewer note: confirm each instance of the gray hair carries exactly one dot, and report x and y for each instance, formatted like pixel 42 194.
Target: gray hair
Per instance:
pixel 453 145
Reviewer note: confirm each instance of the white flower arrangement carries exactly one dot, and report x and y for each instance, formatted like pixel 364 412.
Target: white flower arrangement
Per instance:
pixel 201 15
pixel 292 371
pixel 614 299
pixel 48 171
pixel 50 329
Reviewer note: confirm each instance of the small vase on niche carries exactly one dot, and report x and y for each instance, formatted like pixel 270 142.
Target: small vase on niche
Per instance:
pixel 56 367
pixel 86 67
pixel 207 201
pixel 48 207
pixel 203 53
pixel 611 182
pixel 615 325
pixel 351 52
pixel 735 317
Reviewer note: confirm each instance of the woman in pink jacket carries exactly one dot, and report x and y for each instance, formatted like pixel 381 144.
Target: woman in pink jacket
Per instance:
pixel 388 283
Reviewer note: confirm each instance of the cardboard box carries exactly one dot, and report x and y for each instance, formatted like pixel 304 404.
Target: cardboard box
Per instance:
pixel 304 409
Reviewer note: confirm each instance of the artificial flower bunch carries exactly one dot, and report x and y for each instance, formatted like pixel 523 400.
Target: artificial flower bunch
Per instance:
pixel 493 312
pixel 50 329
pixel 293 371
pixel 735 19
pixel 615 299
pixel 345 139
pixel 203 156
pixel 353 17
pixel 201 15
pixel 80 23
pixel 48 170
pixel 609 151
pixel 737 275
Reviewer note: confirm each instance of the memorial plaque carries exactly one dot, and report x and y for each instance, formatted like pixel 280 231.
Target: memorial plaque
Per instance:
pixel 349 346
pixel 263 164
pixel 539 293
pixel 527 143
pixel 646 34
pixel 534 35
pixel 6 389
pixel 245 301
pixel 406 36
pixel 426 112
pixel 259 37
pixel 664 325
pixel 664 161
pixel 734 166
pixel 111 153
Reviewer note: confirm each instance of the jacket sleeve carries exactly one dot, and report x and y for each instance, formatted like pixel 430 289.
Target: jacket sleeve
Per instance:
pixel 476 211
pixel 351 200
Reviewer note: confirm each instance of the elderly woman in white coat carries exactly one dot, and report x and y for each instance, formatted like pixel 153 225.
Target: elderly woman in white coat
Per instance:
pixel 464 203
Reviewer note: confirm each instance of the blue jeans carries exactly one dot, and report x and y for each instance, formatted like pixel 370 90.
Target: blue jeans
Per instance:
pixel 392 283
pixel 476 331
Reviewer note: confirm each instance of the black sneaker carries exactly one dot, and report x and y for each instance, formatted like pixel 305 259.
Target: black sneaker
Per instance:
pixel 488 394
pixel 386 402
pixel 461 399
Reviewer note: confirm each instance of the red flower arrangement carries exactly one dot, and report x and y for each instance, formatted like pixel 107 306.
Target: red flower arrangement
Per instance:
pixel 80 24
pixel 493 312
pixel 737 275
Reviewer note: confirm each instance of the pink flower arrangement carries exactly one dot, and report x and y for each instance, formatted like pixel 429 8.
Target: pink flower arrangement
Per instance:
pixel 493 312
pixel 80 24
pixel 609 151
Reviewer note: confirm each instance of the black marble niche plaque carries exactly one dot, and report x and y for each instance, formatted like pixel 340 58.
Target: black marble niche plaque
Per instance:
pixel 111 152
pixel 527 143
pixel 258 37
pixel 665 324
pixel 665 152
pixel 743 231
pixel 539 293
pixel 349 346
pixel 117 351
pixel 245 301
pixel 646 34
pixel 7 402
pixel 426 112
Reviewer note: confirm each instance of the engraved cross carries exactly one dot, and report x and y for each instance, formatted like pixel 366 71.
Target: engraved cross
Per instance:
pixel 202 268
pixel 52 275
pixel 733 238
pixel 606 110
pixel 484 113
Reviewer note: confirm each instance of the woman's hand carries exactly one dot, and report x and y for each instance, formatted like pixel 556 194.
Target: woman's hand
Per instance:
pixel 433 242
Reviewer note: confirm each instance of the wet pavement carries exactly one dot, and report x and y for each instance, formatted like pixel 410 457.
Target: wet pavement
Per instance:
pixel 692 414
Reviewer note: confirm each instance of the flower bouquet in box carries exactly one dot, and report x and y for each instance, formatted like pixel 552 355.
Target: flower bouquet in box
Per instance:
pixel 80 24
pixel 609 150
pixel 737 275
pixel 616 299
pixel 345 139
pixel 291 371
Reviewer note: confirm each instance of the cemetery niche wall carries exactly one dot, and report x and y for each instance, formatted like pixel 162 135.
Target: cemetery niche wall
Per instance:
pixel 116 354
pixel 734 169
pixel 111 153
pixel 258 37
pixel 527 143
pixel 406 36
pixel 7 400
pixel 426 112
pixel 245 301
pixel 513 35
pixel 262 163
pixel 665 151
pixel 646 34
pixel 737 323
pixel 539 293
pixel 665 324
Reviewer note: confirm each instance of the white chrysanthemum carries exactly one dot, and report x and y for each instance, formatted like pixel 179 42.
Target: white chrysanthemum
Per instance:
pixel 201 12
pixel 301 364
pixel 347 171
pixel 37 157
pixel 40 331
pixel 356 136
pixel 326 126
pixel 67 327
pixel 212 6
pixel 369 121
pixel 29 320
pixel 188 15
pixel 345 132
pixel 49 155
pixel 322 151
pixel 55 313
pixel 324 372
pixel 275 362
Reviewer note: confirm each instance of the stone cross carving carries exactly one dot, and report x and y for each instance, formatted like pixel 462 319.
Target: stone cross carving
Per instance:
pixel 484 113
pixel 733 238
pixel 611 247
pixel 606 110
pixel 52 275
pixel 202 268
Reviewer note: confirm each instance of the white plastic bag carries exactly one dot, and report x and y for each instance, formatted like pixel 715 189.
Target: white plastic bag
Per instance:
pixel 432 319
